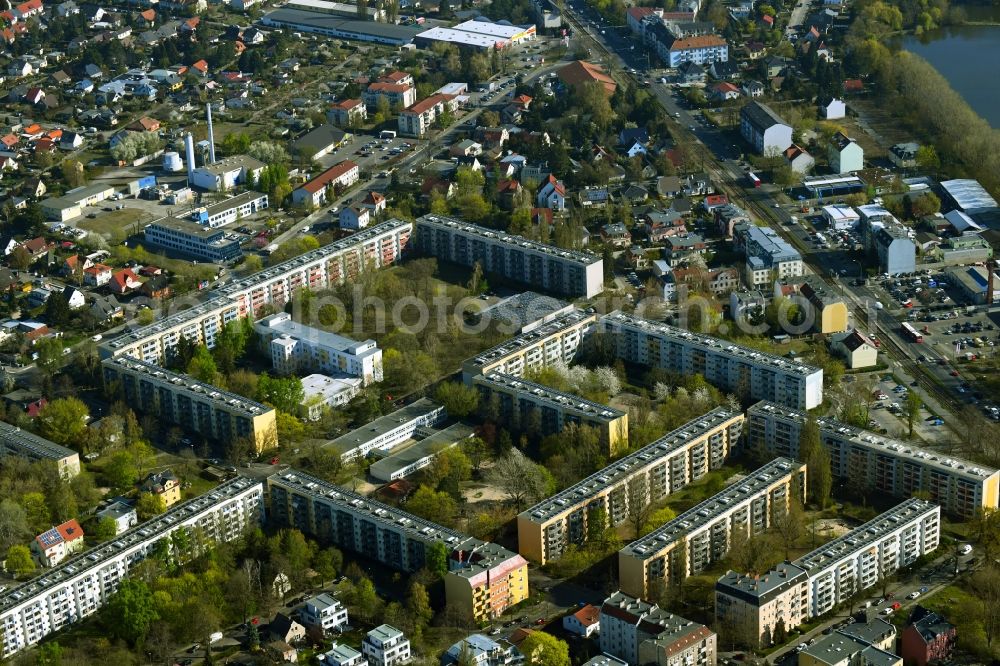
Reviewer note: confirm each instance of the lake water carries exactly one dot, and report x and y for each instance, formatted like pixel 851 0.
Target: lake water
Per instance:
pixel 968 56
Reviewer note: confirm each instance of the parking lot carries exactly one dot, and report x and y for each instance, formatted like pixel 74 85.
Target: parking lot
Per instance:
pixel 888 415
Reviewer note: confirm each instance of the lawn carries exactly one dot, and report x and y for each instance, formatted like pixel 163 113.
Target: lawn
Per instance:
pixel 112 222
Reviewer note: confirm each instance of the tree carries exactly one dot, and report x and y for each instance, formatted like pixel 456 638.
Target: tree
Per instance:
pixel 285 393
pixel 121 472
pixel 986 583
pixel 657 519
pixel 149 505
pixel 131 611
pixel 433 505
pixel 520 480
pixel 913 405
pixel 637 497
pixel 13 524
pixel 367 600
pixel 820 476
pixel 437 559
pixel 327 563
pixel 19 560
pixel 418 605
pixel 57 313
pixel 202 365
pixel 106 529
pixel 542 649
pixel 362 9
pixel 789 525
pixel 458 399
pixel 751 553
pixel 450 468
pixel 64 421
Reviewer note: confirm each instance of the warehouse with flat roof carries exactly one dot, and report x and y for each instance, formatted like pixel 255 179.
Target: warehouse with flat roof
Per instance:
pixel 338 27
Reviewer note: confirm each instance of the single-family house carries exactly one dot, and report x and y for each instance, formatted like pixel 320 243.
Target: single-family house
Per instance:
pixel 929 638
pixel 53 546
pixel 354 217
pixel 856 348
pixel 74 297
pixel 124 281
pixel 798 160
pixel 616 234
pixel 164 484
pixel 833 109
pixel 845 154
pixel 552 194
pixel 106 308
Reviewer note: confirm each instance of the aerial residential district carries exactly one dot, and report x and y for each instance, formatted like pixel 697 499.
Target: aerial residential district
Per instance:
pixel 495 333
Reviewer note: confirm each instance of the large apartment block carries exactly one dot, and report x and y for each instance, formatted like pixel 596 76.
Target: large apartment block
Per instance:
pixel 323 267
pixel 23 444
pixel 728 366
pixel 555 270
pixel 483 579
pixel 79 586
pixel 638 632
pixel 518 399
pixel 651 473
pixel 294 347
pixel 896 468
pixel 702 535
pixel 558 340
pixel 191 404
pixel 833 573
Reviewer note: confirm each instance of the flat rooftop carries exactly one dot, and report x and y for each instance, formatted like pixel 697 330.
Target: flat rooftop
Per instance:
pixel 761 589
pixel 968 194
pixel 384 424
pixel 621 469
pixel 708 344
pixel 15 439
pixel 437 442
pixel 280 324
pixel 189 385
pixel 95 558
pixel 879 443
pixel 492 235
pixel 192 229
pixel 461 37
pixel 865 536
pixel 233 202
pixel 317 489
pixel 341 26
pixel 566 402
pixel 704 513
pixel 525 340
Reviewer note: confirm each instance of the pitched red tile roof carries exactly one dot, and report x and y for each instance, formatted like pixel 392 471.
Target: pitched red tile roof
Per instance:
pixel 347 104
pixel 428 103
pixel 201 66
pixel 70 530
pixel 580 72
pixel 333 173
pixel 149 14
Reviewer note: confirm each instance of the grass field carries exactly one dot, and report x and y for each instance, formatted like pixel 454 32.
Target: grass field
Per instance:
pixel 112 222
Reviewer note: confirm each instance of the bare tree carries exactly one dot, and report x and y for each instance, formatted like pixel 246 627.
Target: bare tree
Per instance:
pixel 520 479
pixel 639 508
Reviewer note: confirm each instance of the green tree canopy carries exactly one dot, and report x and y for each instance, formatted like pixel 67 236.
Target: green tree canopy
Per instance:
pixel 64 421
pixel 542 649
pixel 131 611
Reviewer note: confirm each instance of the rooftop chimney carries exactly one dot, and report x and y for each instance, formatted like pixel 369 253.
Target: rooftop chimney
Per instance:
pixel 211 135
pixel 189 156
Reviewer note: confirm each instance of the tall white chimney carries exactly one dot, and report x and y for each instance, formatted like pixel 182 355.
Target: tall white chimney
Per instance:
pixel 189 156
pixel 211 136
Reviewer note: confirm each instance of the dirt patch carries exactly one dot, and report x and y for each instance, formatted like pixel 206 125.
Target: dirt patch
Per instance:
pixel 831 528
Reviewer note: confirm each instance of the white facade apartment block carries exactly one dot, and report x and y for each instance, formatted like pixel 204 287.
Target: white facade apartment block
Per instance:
pixel 323 267
pixel 889 466
pixel 294 347
pixel 728 366
pixel 386 646
pixel 556 270
pixel 703 535
pixel 555 341
pixel 662 467
pixel 77 588
pixel 325 612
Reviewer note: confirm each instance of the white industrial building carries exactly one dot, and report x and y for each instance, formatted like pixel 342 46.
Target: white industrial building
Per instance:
pixel 226 174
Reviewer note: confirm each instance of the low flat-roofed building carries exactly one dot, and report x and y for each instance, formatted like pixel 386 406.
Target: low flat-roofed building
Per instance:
pixel 889 466
pixel 241 206
pixel 657 469
pixel 968 196
pixel 973 283
pixel 193 240
pixel 477 34
pixel 707 530
pixel 320 392
pixel 387 431
pixel 400 464
pixel 522 312
pixel 339 27
pixel 518 400
pixel 841 218
pixel 21 443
